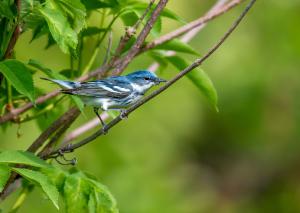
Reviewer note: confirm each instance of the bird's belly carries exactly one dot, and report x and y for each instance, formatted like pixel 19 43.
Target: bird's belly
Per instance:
pixel 111 103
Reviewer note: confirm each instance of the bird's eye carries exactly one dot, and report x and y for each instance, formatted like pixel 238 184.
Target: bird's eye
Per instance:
pixel 147 79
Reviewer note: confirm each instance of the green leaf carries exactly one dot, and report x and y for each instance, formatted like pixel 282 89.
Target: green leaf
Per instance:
pixel 56 175
pixel 21 157
pixel 60 28
pixel 96 4
pixel 41 180
pixel 103 199
pixel 75 12
pixel 129 18
pixel 4 175
pixel 19 76
pixel 5 9
pixel 199 78
pixel 83 193
pixel 76 194
pixel 178 46
pixel 30 14
pixel 90 31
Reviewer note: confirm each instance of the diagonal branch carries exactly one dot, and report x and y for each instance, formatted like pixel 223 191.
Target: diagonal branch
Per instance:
pixel 195 64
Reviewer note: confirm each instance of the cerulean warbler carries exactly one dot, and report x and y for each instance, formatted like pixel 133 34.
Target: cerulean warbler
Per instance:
pixel 117 92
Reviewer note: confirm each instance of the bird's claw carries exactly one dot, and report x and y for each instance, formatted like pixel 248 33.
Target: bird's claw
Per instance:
pixel 65 161
pixel 123 115
pixel 104 129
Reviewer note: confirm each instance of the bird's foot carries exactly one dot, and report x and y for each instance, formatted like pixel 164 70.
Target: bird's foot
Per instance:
pixel 123 114
pixel 104 129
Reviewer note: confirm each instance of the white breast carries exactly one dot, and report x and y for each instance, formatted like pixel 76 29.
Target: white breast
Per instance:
pixel 143 88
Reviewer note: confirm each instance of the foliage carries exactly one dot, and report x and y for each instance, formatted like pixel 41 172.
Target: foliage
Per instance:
pixel 80 191
pixel 66 23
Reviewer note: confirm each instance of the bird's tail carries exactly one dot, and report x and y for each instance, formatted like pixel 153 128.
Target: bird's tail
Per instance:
pixel 64 84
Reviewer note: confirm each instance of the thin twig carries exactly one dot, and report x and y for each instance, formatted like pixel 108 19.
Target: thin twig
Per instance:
pixel 195 64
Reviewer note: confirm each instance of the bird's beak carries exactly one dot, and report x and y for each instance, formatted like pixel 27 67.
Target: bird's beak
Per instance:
pixel 160 80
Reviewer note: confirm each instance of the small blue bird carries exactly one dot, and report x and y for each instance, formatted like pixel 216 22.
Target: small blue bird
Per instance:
pixel 116 93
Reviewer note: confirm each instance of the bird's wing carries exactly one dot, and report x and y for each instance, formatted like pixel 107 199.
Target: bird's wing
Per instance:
pixel 110 87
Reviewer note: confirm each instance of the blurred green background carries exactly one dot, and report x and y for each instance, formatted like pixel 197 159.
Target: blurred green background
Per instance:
pixel 176 154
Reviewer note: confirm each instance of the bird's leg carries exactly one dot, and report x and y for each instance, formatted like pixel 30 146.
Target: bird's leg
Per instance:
pixel 102 122
pixel 123 114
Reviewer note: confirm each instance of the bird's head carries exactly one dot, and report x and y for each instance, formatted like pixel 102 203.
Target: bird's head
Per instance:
pixel 144 80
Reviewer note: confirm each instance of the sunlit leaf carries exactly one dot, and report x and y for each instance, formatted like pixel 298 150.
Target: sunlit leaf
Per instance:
pixel 59 27
pixel 21 157
pixel 76 194
pixel 41 180
pixel 4 175
pixel 19 76
pixel 103 199
pixel 56 175
pixel 75 11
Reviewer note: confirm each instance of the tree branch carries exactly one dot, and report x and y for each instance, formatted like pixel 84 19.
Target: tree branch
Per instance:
pixel 195 64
